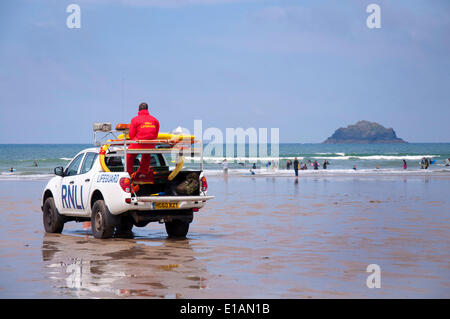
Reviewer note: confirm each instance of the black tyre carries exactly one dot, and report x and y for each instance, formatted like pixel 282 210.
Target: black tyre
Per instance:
pixel 177 229
pixel 101 227
pixel 53 221
pixel 125 228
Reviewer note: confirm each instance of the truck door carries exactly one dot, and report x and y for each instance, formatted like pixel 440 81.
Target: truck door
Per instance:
pixel 84 179
pixel 70 193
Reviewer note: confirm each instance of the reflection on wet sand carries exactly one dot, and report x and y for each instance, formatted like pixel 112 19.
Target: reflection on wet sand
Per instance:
pixel 82 267
pixel 260 238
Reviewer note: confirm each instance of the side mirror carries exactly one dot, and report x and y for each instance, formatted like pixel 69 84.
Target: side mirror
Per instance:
pixel 59 171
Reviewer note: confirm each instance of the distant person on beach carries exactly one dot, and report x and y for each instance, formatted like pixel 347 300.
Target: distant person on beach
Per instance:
pixel 325 163
pixel 447 162
pixel 35 164
pixel 405 166
pixel 12 169
pixel 354 167
pixel 254 166
pixel 252 172
pixel 296 165
pixel 225 166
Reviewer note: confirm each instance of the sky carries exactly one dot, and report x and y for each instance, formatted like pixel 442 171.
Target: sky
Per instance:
pixel 305 67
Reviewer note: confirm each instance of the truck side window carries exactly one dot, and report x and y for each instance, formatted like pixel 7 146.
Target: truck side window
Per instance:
pixel 72 169
pixel 154 160
pixel 88 162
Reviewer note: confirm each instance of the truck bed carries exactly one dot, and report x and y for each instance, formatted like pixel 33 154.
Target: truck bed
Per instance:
pixel 167 188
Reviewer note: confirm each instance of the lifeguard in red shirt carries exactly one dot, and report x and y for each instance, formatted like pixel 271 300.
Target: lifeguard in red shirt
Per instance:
pixel 142 127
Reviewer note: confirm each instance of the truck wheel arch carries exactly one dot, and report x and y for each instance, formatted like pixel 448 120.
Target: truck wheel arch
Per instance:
pixel 48 193
pixel 96 195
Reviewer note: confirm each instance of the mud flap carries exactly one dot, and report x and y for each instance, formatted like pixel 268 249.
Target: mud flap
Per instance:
pixel 113 220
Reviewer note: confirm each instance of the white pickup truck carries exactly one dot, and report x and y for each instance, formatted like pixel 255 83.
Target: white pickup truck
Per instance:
pixel 86 190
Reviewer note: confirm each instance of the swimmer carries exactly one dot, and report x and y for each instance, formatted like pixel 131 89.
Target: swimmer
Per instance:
pixel 315 165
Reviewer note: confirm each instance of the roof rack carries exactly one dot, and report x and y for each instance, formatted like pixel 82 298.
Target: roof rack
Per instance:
pixel 104 135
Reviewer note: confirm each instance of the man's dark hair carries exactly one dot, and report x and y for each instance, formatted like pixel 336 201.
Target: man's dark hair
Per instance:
pixel 143 106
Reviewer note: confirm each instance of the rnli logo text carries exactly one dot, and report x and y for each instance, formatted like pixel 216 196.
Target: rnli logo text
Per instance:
pixel 71 198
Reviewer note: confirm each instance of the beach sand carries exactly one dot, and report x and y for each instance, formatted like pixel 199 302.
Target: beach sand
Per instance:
pixel 261 237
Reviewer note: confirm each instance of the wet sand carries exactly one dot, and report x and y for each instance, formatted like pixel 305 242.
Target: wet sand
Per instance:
pixel 262 237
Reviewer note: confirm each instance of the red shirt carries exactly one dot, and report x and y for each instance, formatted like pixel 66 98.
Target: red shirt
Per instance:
pixel 144 127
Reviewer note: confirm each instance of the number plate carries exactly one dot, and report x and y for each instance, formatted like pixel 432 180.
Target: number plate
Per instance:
pixel 165 205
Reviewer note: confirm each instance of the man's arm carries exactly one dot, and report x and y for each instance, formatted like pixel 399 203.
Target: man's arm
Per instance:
pixel 157 128
pixel 132 131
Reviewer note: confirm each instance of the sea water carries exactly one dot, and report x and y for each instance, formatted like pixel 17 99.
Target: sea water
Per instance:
pixel 367 158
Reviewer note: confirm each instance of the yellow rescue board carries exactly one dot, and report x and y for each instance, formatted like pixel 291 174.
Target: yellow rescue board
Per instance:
pixel 165 136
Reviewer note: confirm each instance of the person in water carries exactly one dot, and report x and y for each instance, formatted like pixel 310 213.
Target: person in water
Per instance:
pixel 316 165
pixel 142 127
pixel 254 166
pixel 427 163
pixel 296 165
pixel 405 166
pixel 288 164
pixel 325 163
pixel 35 164
pixel 354 167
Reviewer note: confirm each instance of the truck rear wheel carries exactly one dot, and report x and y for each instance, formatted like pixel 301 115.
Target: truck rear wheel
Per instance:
pixel 53 221
pixel 177 228
pixel 101 227
pixel 124 229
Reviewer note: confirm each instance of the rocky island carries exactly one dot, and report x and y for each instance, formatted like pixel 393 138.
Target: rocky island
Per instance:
pixel 364 132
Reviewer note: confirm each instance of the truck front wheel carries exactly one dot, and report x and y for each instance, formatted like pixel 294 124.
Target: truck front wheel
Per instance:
pixel 53 221
pixel 177 228
pixel 101 227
